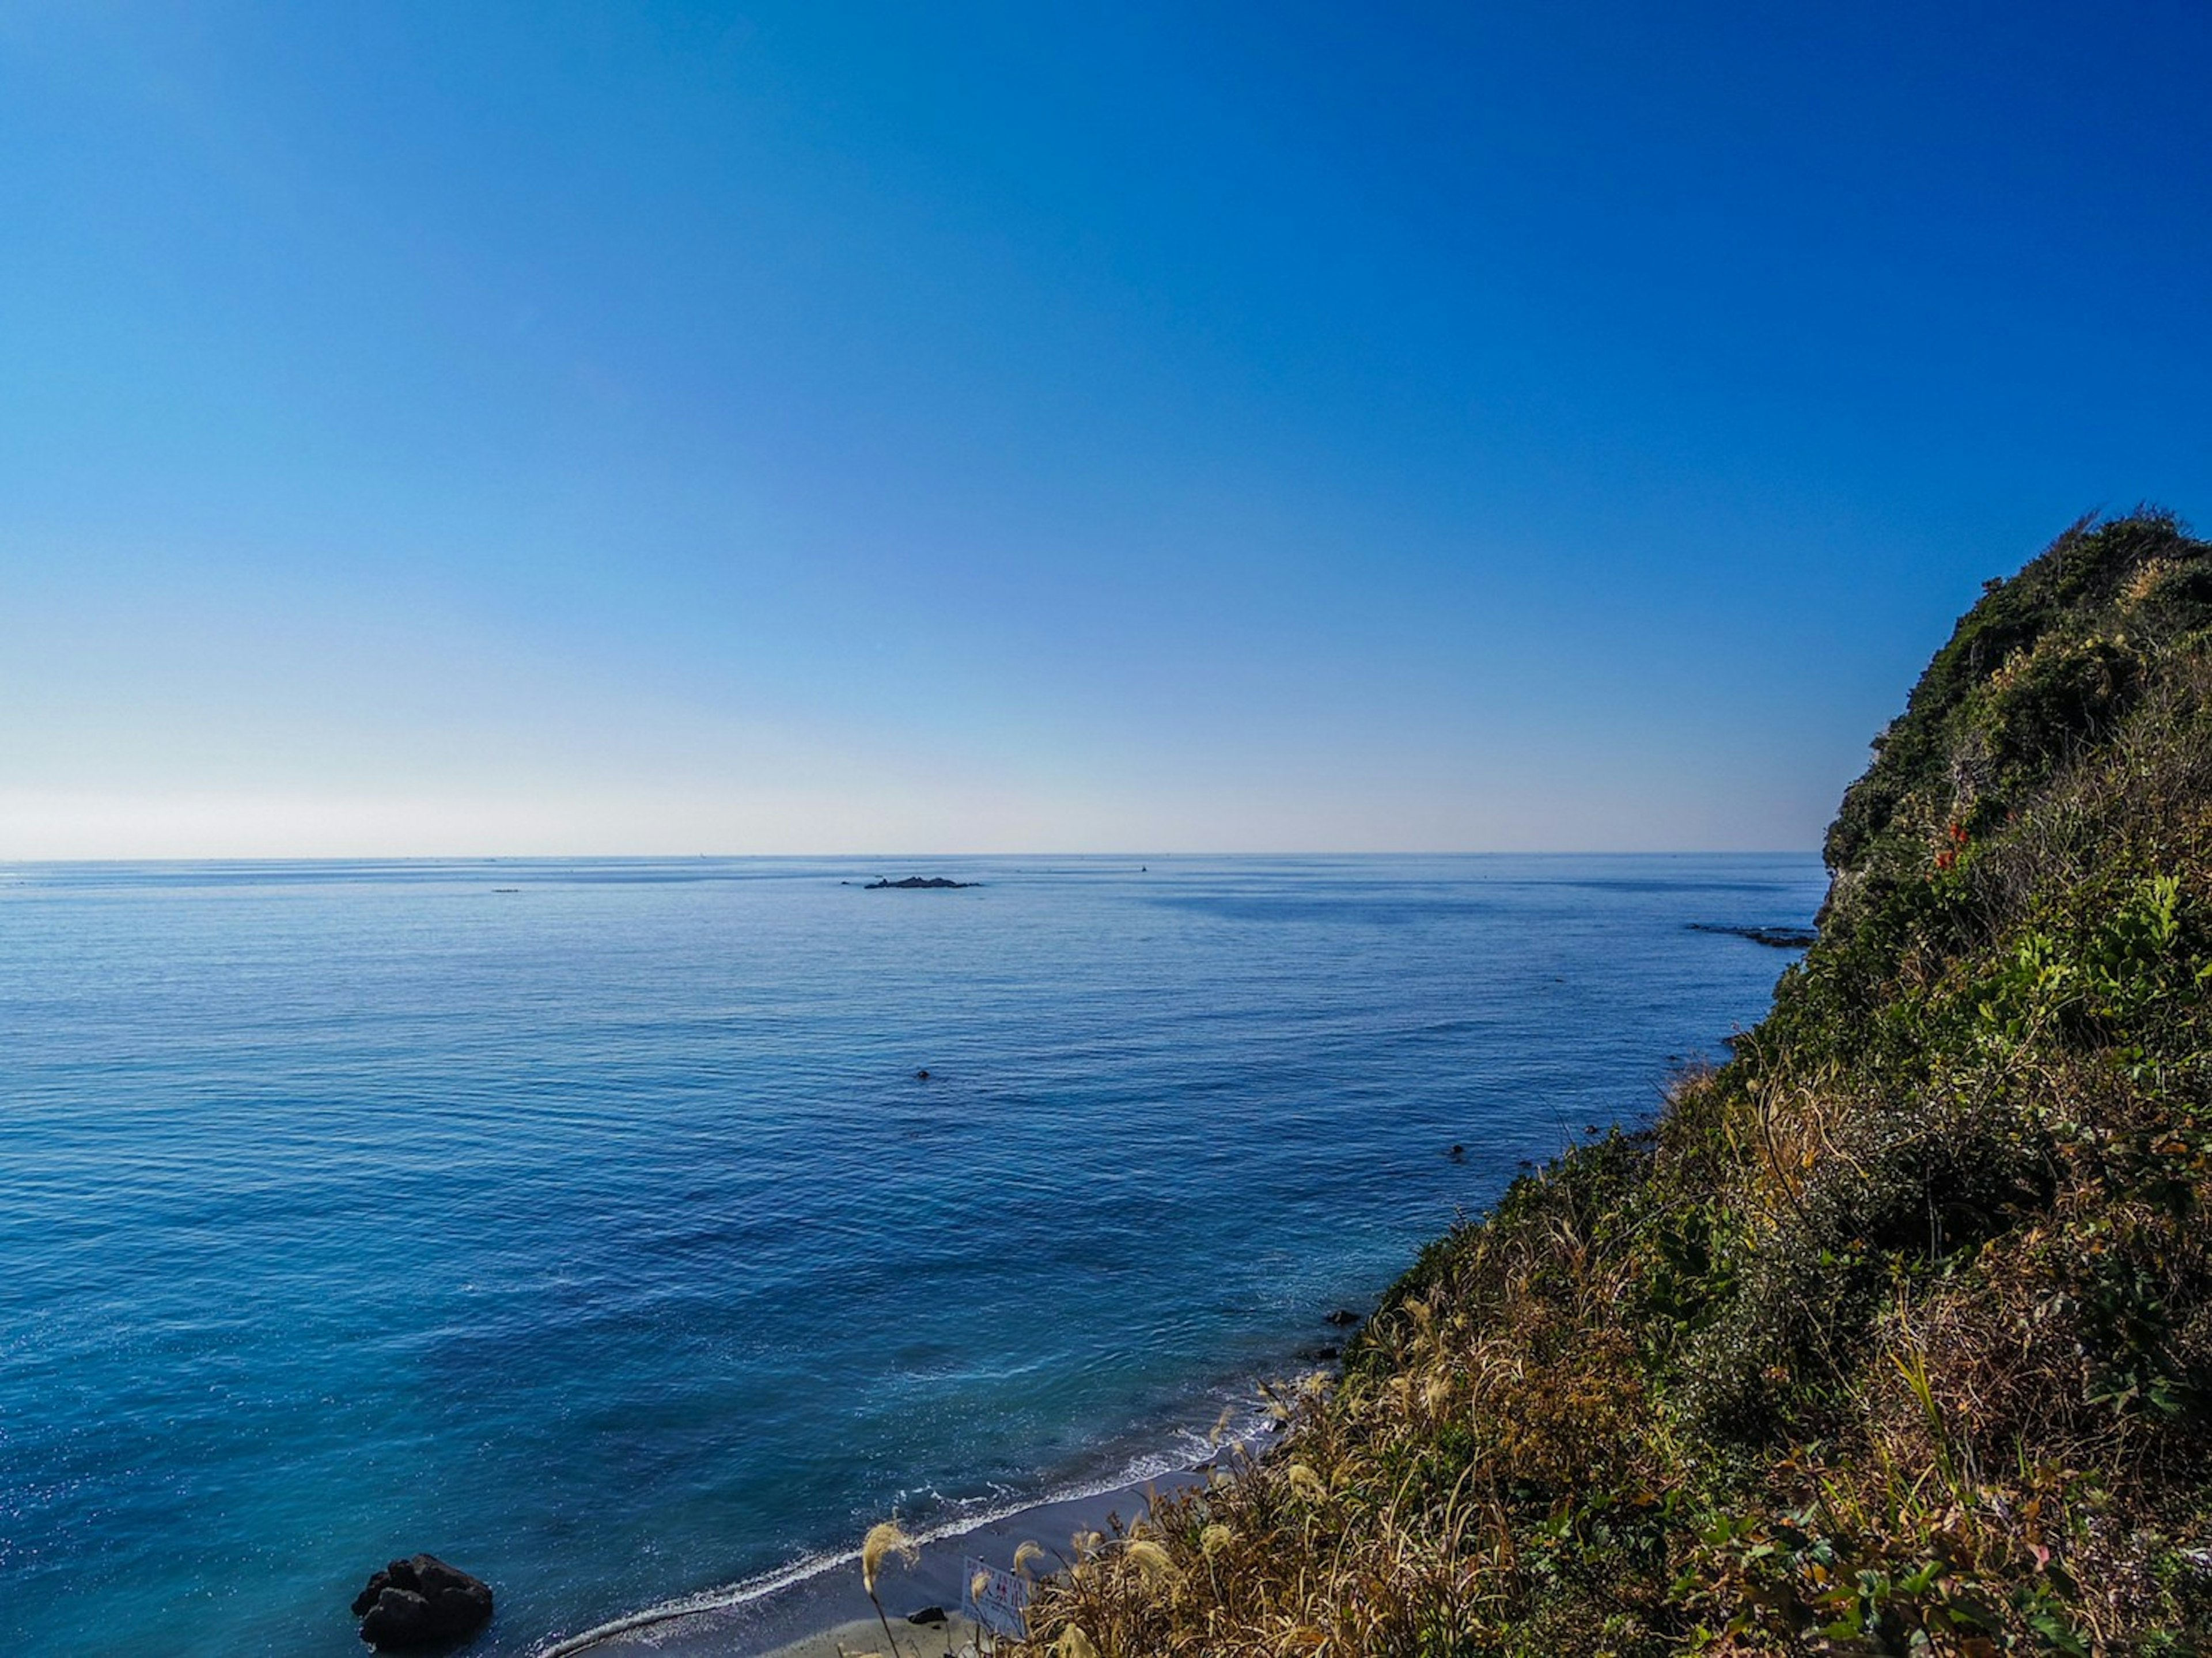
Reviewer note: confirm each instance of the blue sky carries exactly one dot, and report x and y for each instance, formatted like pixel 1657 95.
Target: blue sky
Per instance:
pixel 658 428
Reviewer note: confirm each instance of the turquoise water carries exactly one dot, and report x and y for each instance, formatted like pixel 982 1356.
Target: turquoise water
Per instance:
pixel 598 1235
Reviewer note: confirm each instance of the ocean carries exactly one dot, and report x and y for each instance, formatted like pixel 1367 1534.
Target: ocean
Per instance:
pixel 592 1225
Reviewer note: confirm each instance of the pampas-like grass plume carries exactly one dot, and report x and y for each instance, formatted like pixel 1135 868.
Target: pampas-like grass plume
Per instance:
pixel 1151 1560
pixel 884 1539
pixel 1024 1555
pixel 1074 1644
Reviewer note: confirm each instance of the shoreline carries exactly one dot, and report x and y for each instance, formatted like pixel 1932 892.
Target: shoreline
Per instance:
pixel 805 1606
pixel 807 1609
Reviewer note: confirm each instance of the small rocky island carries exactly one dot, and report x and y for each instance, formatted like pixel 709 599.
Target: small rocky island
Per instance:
pixel 917 883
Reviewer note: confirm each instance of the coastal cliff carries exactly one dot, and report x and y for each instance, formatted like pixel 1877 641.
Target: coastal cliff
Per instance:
pixel 1894 1334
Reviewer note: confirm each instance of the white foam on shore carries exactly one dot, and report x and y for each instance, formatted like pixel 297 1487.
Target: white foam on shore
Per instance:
pixel 1197 1449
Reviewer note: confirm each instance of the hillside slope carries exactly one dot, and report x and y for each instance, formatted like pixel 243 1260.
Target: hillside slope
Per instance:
pixel 1892 1335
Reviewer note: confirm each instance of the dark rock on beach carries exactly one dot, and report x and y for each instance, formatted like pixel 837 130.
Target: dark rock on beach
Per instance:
pixel 928 1615
pixel 421 1603
pixel 1779 937
pixel 917 884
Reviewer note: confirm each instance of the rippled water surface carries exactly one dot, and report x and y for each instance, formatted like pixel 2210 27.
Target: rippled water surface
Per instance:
pixel 587 1222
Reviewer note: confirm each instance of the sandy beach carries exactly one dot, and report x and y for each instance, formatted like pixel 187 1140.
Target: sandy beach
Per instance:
pixel 954 1638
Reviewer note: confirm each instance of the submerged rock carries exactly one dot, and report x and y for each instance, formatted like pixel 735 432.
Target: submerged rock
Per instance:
pixel 1343 1316
pixel 422 1602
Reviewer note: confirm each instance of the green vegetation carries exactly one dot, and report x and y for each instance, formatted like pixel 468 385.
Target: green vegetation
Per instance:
pixel 1893 1335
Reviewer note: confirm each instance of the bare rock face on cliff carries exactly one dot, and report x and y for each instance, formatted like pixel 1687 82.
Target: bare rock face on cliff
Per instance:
pixel 421 1603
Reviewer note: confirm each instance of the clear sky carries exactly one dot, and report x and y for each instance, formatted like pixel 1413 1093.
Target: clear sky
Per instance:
pixel 543 428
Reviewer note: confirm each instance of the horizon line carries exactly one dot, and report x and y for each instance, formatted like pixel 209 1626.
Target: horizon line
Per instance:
pixel 889 857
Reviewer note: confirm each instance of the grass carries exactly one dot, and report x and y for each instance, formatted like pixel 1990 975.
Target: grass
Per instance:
pixel 1894 1334
pixel 886 1541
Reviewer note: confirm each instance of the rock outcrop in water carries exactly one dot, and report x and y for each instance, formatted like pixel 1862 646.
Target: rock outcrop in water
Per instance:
pixel 917 884
pixel 421 1603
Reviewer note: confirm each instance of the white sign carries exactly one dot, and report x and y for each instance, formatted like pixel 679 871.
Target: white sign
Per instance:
pixel 994 1598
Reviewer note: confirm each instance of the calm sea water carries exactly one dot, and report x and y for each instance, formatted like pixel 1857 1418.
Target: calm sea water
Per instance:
pixel 588 1223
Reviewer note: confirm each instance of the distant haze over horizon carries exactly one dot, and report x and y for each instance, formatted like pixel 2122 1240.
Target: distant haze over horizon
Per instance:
pixel 560 429
pixel 900 861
